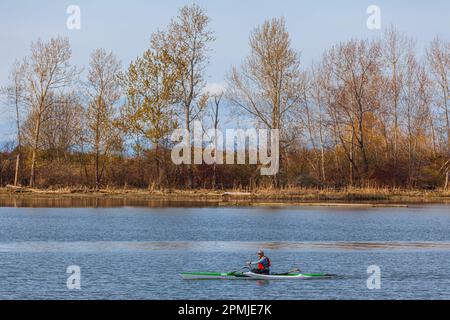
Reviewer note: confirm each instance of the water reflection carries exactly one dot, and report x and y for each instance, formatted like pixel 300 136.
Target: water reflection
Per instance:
pixel 262 283
pixel 96 202
pixel 218 246
pixel 110 201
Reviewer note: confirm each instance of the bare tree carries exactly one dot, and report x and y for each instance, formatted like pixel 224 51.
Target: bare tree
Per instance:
pixel 14 94
pixel 416 112
pixel 62 125
pixel 355 66
pixel 439 61
pixel 268 85
pixel 215 100
pixel 395 49
pixel 48 71
pixel 316 94
pixel 103 90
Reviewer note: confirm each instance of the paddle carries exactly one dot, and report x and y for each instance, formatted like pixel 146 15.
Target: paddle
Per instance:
pixel 235 271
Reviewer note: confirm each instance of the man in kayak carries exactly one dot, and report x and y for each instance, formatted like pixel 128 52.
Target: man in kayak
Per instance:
pixel 263 264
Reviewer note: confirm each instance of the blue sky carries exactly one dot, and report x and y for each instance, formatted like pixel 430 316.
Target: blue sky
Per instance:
pixel 125 27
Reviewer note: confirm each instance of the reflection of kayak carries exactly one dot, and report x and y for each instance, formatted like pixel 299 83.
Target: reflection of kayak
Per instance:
pixel 215 276
pixel 253 276
pixel 290 276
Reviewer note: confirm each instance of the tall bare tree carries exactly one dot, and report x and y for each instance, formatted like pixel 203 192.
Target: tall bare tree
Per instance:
pixel 103 90
pixel 439 61
pixel 355 66
pixel 48 71
pixel 268 85
pixel 416 113
pixel 316 120
pixel 215 101
pixel 14 94
pixel 395 49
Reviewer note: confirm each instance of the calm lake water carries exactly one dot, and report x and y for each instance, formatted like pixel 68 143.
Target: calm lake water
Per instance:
pixel 138 252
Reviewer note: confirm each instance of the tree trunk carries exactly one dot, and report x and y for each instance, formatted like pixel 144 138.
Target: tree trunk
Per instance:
pixel 446 180
pixel 158 171
pixel 189 165
pixel 433 136
pixel 16 175
pixel 322 150
pixel 97 164
pixel 363 148
pixel 447 119
pixel 34 153
pixel 97 143
pixel 19 141
pixel 214 177
pixel 97 171
pixel 352 165
pixel 395 151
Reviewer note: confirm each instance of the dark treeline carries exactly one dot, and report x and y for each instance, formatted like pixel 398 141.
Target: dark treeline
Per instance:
pixel 366 113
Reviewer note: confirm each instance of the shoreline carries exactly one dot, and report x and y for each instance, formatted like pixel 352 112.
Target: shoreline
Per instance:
pixel 264 198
